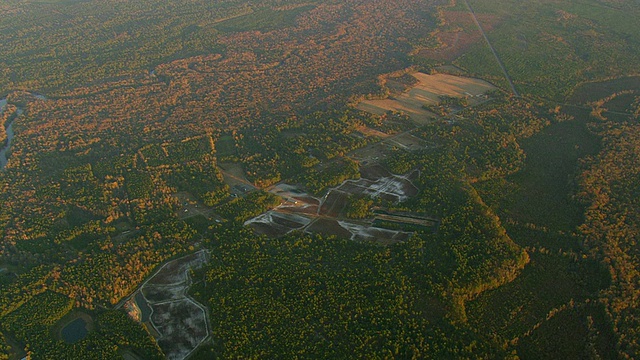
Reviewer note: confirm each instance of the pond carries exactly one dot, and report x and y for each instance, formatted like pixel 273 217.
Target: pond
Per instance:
pixel 74 331
pixel 145 310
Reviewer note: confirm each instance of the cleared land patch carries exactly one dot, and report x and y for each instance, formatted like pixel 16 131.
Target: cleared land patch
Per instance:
pixel 428 91
pixel 234 175
pixel 462 35
pixel 264 20
pixel 190 206
pixel 179 323
pixel 327 215
pixel 594 91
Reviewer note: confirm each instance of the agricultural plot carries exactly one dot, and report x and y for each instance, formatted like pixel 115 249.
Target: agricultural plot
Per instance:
pixel 330 227
pixel 427 91
pixel 277 223
pixel 394 188
pixel 179 323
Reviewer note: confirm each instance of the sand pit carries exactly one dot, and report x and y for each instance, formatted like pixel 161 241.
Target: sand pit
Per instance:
pixel 277 223
pixel 303 212
pixel 374 234
pixel 180 323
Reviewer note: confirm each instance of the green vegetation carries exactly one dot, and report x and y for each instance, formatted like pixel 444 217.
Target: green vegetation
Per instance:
pixel 321 295
pixel 225 146
pixel 31 325
pixel 358 208
pixel 549 47
pixel 610 190
pixel 254 204
pixel 116 172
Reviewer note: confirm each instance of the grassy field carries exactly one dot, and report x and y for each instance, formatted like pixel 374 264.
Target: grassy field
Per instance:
pixel 226 146
pixel 594 91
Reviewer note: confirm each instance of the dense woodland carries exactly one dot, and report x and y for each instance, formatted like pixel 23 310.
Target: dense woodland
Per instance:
pixel 534 255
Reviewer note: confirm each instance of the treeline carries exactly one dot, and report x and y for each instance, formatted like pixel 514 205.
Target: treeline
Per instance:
pixel 36 324
pixel 612 224
pixel 243 208
pixel 310 296
pixel 471 245
pixel 486 138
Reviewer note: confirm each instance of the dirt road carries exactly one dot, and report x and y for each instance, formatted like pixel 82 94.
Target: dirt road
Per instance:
pixel 504 70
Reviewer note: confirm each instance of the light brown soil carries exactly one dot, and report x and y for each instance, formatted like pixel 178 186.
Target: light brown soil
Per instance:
pixel 427 92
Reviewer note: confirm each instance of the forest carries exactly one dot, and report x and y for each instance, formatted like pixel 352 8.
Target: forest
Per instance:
pixel 149 130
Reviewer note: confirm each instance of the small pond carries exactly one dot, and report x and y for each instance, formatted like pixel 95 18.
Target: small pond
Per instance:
pixel 74 331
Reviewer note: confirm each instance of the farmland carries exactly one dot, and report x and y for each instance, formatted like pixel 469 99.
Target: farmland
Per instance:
pixel 428 91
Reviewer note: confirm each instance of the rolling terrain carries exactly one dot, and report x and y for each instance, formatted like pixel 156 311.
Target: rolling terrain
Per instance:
pixel 284 178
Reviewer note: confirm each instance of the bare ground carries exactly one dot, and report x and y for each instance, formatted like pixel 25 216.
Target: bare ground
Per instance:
pixel 427 91
pixel 180 323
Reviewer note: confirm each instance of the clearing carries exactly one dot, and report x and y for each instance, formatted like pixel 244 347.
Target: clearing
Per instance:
pixel 303 212
pixel 234 176
pixel 179 323
pixel 427 91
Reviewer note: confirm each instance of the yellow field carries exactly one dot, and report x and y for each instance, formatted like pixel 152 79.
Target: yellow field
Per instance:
pixel 427 92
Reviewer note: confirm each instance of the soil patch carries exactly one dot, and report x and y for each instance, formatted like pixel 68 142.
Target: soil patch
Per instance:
pixel 427 91
pixel 462 35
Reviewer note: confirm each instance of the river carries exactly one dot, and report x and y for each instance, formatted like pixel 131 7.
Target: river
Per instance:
pixel 9 130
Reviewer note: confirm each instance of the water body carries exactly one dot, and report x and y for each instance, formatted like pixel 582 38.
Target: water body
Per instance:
pixel 145 310
pixel 9 130
pixel 74 331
